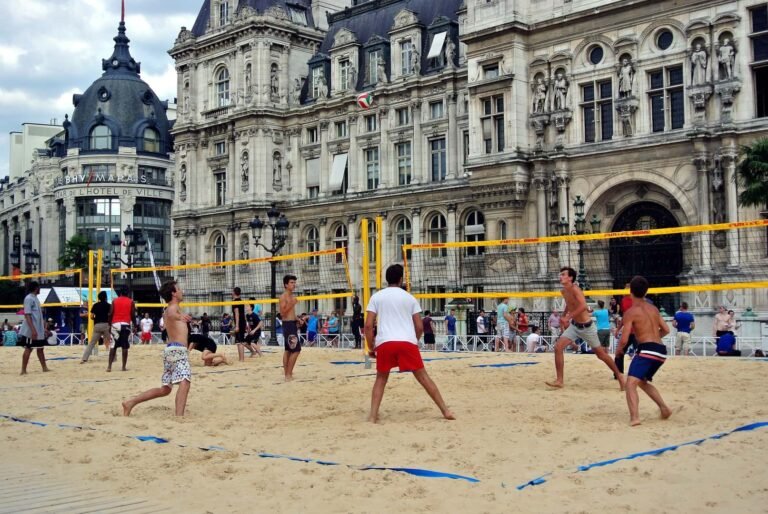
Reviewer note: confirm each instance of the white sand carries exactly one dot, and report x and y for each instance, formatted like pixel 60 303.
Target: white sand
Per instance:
pixel 511 428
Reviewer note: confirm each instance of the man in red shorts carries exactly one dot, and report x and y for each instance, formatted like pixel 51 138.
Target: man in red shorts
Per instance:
pixel 396 342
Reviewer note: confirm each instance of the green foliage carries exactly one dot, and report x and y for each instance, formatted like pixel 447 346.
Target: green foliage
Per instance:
pixel 752 174
pixel 75 254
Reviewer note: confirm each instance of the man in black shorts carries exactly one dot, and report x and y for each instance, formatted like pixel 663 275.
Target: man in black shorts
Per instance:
pixel 241 324
pixel 32 331
pixel 208 347
pixel 290 328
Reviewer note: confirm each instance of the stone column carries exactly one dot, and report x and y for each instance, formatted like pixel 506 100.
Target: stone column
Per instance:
pixel 414 268
pixel 453 261
pixel 452 159
pixel 562 204
pixel 69 206
pixel 728 162
pixel 353 250
pixel 540 182
pixel 356 173
pixel 418 159
pixel 701 161
pixel 325 160
pixel 387 154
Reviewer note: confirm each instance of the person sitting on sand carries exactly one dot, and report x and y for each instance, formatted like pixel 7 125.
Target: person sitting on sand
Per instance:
pixel 207 346
pixel 644 320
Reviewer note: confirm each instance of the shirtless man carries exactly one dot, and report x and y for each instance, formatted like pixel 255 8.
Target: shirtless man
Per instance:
pixel 644 320
pixel 580 326
pixel 292 343
pixel 175 355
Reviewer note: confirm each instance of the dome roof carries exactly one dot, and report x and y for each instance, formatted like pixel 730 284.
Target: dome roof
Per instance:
pixel 122 102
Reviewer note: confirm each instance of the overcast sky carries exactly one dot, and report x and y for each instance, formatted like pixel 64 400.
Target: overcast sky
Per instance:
pixel 50 49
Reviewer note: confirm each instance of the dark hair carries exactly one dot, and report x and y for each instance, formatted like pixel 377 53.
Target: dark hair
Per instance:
pixel 33 286
pixel 534 329
pixel 638 286
pixel 237 291
pixel 394 274
pixel 601 303
pixel 571 272
pixel 288 278
pixel 167 290
pixel 102 296
pixel 684 305
pixel 520 309
pixel 426 313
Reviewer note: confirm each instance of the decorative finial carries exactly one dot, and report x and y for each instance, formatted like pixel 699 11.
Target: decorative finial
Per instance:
pixel 122 12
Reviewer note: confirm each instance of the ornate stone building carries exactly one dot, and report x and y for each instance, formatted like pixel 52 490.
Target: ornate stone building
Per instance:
pixel 489 118
pixel 110 166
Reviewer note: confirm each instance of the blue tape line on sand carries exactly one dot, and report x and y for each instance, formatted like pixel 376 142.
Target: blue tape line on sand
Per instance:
pixel 427 359
pixel 504 365
pixel 159 440
pixel 658 451
pixel 61 358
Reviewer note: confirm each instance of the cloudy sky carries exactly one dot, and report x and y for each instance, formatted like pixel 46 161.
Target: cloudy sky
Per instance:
pixel 50 49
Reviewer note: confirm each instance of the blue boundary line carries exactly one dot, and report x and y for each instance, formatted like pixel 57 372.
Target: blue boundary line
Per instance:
pixel 658 451
pixel 426 473
pixel 504 364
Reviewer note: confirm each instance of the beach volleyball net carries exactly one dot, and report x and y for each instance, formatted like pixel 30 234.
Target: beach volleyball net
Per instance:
pixel 682 264
pixel 321 275
pixel 62 288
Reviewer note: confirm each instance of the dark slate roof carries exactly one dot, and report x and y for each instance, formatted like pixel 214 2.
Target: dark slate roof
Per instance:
pixel 198 29
pixel 377 17
pixel 120 100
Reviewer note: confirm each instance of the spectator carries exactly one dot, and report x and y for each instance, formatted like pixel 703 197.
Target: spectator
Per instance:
pixel 684 323
pixel 450 328
pixel 613 309
pixel 312 326
pixel 554 324
pixel 146 329
pixel 226 324
pixel 722 323
pixel 502 325
pixel 482 329
pixel 357 324
pixel 522 321
pixel 205 324
pixel 429 332
pixel 511 317
pixel 732 325
pixel 726 345
pixel 333 329
pixel 603 319
pixel 533 340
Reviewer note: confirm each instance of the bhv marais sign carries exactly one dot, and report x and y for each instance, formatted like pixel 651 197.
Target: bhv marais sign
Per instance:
pixel 99 178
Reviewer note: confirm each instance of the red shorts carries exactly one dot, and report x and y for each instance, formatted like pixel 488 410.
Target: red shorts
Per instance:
pixel 146 336
pixel 398 354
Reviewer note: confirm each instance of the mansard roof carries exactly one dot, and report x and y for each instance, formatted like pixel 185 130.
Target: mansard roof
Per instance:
pixel 260 6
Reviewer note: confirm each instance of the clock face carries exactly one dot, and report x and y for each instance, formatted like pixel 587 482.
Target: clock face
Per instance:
pixel 115 62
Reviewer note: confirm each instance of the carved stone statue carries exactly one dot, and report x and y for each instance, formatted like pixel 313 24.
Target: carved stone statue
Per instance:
pixel 450 52
pixel 248 80
pixel 244 170
pixel 415 62
pixel 183 178
pixel 277 168
pixel 244 249
pixel 381 72
pixel 540 90
pixel 296 93
pixel 626 78
pixel 352 76
pixel 274 80
pixel 726 55
pixel 560 87
pixel 322 85
pixel 699 61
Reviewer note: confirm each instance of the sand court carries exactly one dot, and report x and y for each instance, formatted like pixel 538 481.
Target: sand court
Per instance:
pixel 252 442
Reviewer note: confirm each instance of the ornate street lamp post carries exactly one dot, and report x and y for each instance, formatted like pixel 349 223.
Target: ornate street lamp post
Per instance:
pixel 134 252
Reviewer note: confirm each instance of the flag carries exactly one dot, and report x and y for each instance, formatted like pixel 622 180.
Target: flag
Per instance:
pixel 152 263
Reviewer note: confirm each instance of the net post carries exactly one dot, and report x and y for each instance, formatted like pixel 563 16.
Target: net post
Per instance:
pixel 366 285
pixel 379 222
pixel 89 330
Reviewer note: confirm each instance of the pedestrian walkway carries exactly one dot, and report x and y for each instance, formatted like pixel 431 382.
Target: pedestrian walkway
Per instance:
pixel 31 491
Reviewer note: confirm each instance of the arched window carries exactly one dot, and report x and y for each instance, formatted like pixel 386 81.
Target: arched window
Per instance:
pixel 502 230
pixel 403 236
pixel 371 241
pixel 219 248
pixel 222 88
pixel 438 233
pixel 151 140
pixel 474 230
pixel 313 244
pixel 182 253
pixel 101 138
pixel 340 240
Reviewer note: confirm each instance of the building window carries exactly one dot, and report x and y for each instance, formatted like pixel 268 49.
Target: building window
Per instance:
pixel 438 233
pixel 344 75
pixel 153 218
pixel 667 99
pixel 402 237
pixel 406 55
pixel 340 240
pixel 371 241
pixel 436 55
pixel 312 135
pixel 313 244
pixel 101 138
pixel 436 305
pixel 597 109
pixel 437 154
pixel 313 178
pixel 220 188
pixel 404 164
pixel 465 144
pixel 664 40
pixel 493 124
pixel 436 110
pixel 371 123
pixel 97 219
pixel 298 15
pixel 373 66
pixel 403 116
pixel 502 230
pixel 222 88
pixel 341 129
pixel 474 231
pixel 491 71
pixel 223 13
pixel 151 140
pixel 220 148
pixel 317 75
pixel 219 248
pixel 596 54
pixel 152 175
pixel 759 37
pixel 761 90
pixel 372 167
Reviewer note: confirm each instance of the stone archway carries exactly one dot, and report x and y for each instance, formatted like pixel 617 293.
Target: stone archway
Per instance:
pixel 659 259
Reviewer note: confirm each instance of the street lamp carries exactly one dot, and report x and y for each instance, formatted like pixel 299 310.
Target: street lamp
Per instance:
pixel 580 228
pixel 31 257
pixel 279 225
pixel 134 251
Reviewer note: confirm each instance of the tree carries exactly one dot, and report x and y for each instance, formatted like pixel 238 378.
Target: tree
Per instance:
pixel 75 254
pixel 752 175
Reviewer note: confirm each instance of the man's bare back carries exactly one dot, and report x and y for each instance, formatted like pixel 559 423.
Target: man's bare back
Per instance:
pixel 176 324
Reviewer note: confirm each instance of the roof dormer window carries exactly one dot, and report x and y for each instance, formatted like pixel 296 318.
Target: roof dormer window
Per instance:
pixel 223 13
pixel 151 140
pixel 101 138
pixel 298 15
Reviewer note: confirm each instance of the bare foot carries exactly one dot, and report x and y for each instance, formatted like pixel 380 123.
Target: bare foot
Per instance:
pixel 127 408
pixel 373 419
pixel 46 370
pixel 23 373
pixel 634 422
pixel 289 379
pixel 83 362
pixel 556 384
pixel 124 369
pixel 666 412
pixel 447 414
pixel 109 370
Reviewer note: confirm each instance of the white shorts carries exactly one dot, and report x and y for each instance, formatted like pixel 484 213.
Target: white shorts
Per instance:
pixel 586 334
pixel 502 330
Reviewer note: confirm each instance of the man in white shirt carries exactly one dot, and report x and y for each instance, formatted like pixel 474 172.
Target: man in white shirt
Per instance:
pixel 532 341
pixel 146 329
pixel 396 341
pixel 481 330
